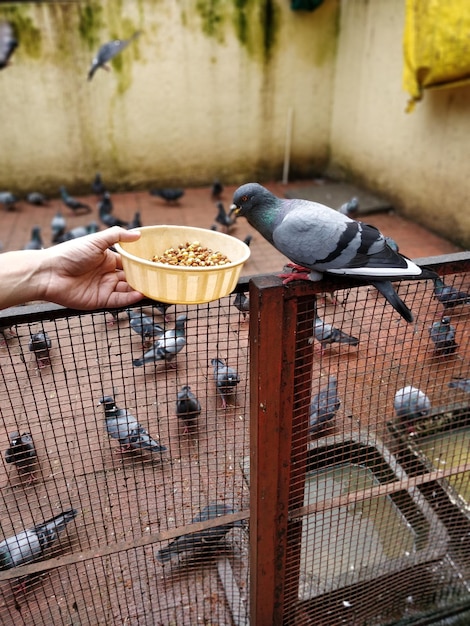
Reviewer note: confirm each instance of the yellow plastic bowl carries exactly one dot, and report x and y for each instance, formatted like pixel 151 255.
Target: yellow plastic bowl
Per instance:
pixel 179 284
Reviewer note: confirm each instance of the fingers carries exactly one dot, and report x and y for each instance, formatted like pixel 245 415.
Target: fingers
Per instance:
pixel 115 234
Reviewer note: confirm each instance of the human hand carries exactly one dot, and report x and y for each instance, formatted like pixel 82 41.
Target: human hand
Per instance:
pixel 85 274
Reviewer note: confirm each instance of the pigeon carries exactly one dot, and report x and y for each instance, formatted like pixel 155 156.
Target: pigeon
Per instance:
pixel 226 379
pixel 22 453
pixel 105 205
pixel 107 52
pixel 350 208
pixel 223 218
pixel 73 203
pixel 136 221
pixel 460 383
pixel 242 303
pixel 79 231
pixel 40 344
pixel 442 334
pixel 7 333
pixel 144 326
pixel 35 243
pixel 8 43
pixel 36 198
pixel 123 426
pixel 448 295
pixel 410 404
pixel 29 545
pixel 216 190
pixel 318 239
pixel 324 406
pixel 8 200
pixel 163 308
pixel 97 185
pixel 168 194
pixel 188 407
pixel 203 540
pixel 247 240
pixel 167 346
pixel 58 226
pixel 327 334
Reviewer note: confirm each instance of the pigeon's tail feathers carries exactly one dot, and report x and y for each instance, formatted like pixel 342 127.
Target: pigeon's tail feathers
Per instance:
pixel 50 530
pixel 389 293
pixel 347 339
pixel 138 362
pixel 150 444
pixel 165 554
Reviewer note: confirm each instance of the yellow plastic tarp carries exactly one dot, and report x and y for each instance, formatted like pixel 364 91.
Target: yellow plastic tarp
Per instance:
pixel 436 46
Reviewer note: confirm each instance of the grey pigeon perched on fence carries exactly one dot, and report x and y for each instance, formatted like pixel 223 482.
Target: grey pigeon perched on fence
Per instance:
pixel 242 303
pixel 30 544
pixel 167 346
pixel 411 404
pixel 202 541
pixel 327 334
pixel 107 52
pixel 226 379
pixel 35 242
pixel 22 453
pixel 40 343
pixel 324 406
pixel 318 239
pixel 460 383
pixel 171 195
pixel 123 426
pixel 144 326
pixel 73 203
pixel 448 295
pixel 8 43
pixel 8 200
pixel 442 334
pixel 188 407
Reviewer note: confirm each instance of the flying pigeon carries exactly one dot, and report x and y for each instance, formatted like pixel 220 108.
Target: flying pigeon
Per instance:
pixel 448 295
pixel 40 344
pixel 29 545
pixel 242 303
pixel 22 453
pixel 73 203
pixel 410 404
pixel 8 200
pixel 318 239
pixel 216 189
pixel 460 383
pixel 97 185
pixel 226 379
pixel 442 334
pixel 188 407
pixel 144 326
pixel 168 194
pixel 350 208
pixel 35 243
pixel 327 334
pixel 324 406
pixel 8 43
pixel 223 218
pixel 58 226
pixel 107 52
pixel 200 541
pixel 167 346
pixel 36 198
pixel 124 427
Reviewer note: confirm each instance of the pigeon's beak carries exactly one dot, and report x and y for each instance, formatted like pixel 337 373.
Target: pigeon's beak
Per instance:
pixel 234 210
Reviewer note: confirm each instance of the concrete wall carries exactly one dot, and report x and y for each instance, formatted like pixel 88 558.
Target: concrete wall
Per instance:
pixel 203 92
pixel 420 159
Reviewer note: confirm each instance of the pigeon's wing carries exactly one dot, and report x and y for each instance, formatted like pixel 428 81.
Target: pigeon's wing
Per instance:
pixel 121 426
pixel 20 549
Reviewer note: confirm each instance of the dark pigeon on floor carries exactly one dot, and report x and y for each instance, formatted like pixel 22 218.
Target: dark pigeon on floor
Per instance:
pixel 8 43
pixel 97 186
pixel 40 344
pixel 72 203
pixel 216 190
pixel 200 542
pixel 136 221
pixel 223 218
pixel 22 453
pixel 36 242
pixel 188 408
pixel 167 346
pixel 58 226
pixel 37 199
pixel 169 194
pixel 327 334
pixel 226 379
pixel 442 334
pixel 242 303
pixel 123 426
pixel 79 231
pixel 107 52
pixel 324 406
pixel 144 326
pixel 448 295
pixel 411 404
pixel 8 200
pixel 29 545
pixel 318 240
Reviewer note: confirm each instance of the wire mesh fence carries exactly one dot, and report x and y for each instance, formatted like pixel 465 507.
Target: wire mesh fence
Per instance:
pixel 291 492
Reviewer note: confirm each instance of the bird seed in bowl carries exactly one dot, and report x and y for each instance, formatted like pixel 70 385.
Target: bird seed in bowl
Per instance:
pixel 192 254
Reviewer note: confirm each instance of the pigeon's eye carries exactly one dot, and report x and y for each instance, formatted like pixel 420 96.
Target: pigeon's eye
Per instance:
pixel 244 198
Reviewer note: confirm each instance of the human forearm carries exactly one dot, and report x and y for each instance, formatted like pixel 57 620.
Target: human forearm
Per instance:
pixel 23 277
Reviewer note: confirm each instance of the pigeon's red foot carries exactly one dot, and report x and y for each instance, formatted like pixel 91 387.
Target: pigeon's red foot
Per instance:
pixel 298 268
pixel 287 278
